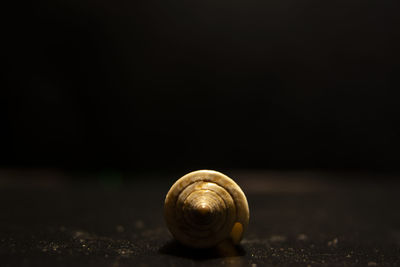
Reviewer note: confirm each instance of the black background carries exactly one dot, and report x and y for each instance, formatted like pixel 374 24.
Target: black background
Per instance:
pixel 104 104
pixel 161 84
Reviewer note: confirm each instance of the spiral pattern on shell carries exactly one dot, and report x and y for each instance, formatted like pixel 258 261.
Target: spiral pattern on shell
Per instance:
pixel 204 208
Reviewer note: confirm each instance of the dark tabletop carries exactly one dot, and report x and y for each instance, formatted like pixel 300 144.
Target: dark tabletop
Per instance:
pixel 52 218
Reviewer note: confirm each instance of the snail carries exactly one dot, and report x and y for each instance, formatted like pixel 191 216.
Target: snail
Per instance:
pixel 204 208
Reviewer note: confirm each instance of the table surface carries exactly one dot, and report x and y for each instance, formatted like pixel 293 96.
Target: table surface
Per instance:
pixel 53 218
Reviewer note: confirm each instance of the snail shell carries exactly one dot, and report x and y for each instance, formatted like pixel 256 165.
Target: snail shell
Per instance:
pixel 204 208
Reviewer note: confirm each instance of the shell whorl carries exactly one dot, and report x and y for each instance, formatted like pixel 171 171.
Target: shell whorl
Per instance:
pixel 204 208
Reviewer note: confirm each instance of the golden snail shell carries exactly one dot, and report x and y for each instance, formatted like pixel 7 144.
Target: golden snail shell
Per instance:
pixel 204 208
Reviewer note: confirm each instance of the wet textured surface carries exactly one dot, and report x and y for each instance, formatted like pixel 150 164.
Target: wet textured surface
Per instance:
pixel 307 219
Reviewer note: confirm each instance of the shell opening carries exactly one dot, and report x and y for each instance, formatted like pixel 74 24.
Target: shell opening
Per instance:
pixel 237 232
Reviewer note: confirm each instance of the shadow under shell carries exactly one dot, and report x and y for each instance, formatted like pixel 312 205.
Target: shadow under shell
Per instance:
pixel 223 250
